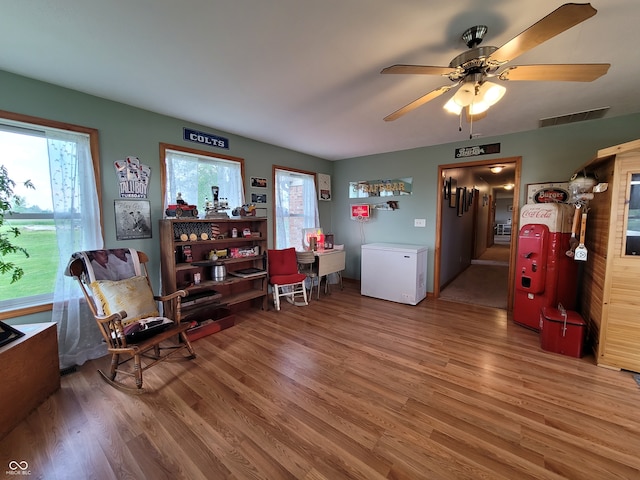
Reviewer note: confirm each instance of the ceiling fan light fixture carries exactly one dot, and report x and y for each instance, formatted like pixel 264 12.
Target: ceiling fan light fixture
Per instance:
pixel 491 93
pixel 464 95
pixel 478 107
pixel 452 107
pixel 487 95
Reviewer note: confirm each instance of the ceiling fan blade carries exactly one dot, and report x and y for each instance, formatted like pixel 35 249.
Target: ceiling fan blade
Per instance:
pixel 584 72
pixel 417 103
pixel 418 70
pixel 561 19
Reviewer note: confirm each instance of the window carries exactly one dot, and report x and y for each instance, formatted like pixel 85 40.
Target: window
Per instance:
pixel 633 216
pixel 295 205
pixel 191 173
pixel 61 215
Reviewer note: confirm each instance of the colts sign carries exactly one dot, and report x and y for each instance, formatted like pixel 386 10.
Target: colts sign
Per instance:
pixel 205 138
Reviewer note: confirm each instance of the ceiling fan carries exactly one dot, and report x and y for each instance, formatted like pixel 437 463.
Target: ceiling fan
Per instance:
pixel 471 70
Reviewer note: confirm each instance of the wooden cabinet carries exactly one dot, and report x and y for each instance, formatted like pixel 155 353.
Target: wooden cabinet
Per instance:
pixel 185 247
pixel 31 372
pixel 610 299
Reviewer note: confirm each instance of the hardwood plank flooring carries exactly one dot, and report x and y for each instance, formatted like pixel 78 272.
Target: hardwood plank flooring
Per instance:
pixel 348 387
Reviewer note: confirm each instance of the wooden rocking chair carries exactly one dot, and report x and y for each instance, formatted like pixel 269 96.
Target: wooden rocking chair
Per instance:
pixel 116 286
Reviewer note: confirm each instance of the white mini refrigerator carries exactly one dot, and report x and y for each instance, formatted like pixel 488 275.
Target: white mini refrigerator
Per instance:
pixel 395 272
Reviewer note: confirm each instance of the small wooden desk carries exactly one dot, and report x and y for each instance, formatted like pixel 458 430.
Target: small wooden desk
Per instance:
pixel 30 372
pixel 329 261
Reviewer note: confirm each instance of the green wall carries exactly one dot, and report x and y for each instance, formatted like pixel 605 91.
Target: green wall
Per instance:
pixel 549 154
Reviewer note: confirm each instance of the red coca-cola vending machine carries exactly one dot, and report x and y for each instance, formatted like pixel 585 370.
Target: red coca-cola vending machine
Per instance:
pixel 545 274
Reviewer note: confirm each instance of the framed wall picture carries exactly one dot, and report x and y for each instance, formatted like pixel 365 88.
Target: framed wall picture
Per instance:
pixel 133 219
pixel 469 199
pixel 453 192
pixel 258 182
pixel 447 188
pixel 324 187
pixel 461 194
pixel 258 198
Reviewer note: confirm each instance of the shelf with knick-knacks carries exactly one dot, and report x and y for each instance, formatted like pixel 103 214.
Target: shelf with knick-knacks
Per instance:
pixel 219 262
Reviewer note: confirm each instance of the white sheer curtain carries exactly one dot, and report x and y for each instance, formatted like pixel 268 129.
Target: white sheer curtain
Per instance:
pixel 296 207
pixel 77 220
pixel 193 176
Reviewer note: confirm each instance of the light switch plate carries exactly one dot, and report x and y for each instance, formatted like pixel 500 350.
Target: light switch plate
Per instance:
pixel 419 222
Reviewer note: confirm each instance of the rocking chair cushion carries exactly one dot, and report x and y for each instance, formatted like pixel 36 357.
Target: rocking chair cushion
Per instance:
pixel 133 295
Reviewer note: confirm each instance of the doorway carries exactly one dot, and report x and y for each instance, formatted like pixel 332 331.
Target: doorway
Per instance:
pixel 475 242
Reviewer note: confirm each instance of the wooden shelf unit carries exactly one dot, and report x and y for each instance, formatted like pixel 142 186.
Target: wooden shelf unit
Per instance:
pixel 235 293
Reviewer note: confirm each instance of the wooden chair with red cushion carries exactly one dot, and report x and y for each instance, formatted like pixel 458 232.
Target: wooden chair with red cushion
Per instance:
pixel 284 277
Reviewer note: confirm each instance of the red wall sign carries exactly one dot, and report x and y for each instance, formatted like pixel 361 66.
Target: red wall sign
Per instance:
pixel 361 211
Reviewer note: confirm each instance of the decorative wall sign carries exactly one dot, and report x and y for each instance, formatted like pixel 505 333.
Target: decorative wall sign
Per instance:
pixel 133 219
pixel 360 212
pixel 205 138
pixel 488 149
pixel 549 192
pixel 133 177
pixel 324 187
pixel 380 188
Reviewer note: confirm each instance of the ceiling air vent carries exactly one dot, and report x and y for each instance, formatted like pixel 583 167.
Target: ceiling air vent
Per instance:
pixel 573 117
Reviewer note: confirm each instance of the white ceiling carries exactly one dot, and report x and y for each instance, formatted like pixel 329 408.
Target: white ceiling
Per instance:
pixel 305 74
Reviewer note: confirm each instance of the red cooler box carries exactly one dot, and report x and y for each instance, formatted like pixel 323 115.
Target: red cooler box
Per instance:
pixel 562 331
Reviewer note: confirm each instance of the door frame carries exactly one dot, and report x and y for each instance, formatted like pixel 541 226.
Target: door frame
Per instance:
pixel 517 161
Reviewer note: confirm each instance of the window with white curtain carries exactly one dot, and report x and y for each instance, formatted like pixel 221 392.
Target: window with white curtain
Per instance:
pixel 192 173
pixel 295 204
pixel 50 215
pixel 60 216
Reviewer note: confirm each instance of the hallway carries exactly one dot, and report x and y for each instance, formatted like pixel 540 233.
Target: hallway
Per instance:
pixel 484 282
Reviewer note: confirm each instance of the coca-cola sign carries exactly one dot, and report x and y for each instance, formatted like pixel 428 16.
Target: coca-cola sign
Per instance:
pixel 540 212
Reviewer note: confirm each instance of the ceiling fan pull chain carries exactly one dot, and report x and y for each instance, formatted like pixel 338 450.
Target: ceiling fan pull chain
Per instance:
pixel 471 127
pixel 460 126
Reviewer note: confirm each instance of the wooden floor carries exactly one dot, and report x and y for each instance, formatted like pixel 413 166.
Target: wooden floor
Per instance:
pixel 348 387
